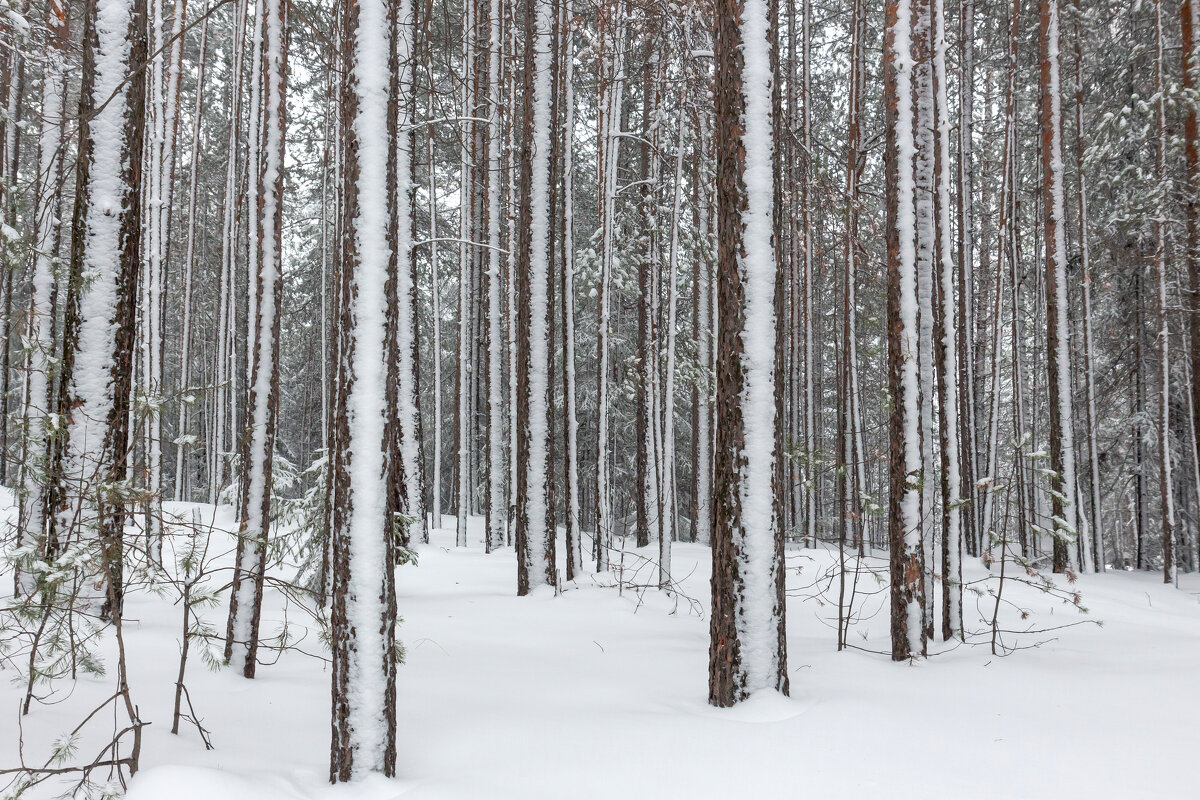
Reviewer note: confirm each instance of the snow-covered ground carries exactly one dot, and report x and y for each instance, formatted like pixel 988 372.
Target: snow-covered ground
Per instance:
pixel 600 693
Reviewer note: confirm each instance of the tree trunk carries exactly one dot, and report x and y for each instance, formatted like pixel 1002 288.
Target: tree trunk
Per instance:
pixel 748 649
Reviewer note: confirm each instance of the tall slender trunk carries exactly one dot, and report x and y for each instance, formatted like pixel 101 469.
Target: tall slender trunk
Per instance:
pixel 225 376
pixel 466 175
pixel 534 537
pixel 574 558
pixel 245 598
pixel 496 509
pixel 748 649
pixel 612 34
pixel 1166 479
pixel 904 427
pixel 1094 504
pixel 1190 16
pixel 363 619
pixel 1058 363
pixel 972 529
pixel 947 344
pixel 48 237
pixel 182 441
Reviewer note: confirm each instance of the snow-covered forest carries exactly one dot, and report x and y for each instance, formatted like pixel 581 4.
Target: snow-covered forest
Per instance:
pixel 592 398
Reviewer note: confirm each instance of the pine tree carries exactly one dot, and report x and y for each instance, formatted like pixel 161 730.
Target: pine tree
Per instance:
pixel 363 618
pixel 747 649
pixel 906 464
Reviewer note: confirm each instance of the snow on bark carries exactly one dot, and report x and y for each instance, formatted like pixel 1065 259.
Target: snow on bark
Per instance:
pixel 574 556
pixel 364 727
pixel 609 145
pixel 533 524
pixel 246 594
pixel 497 516
pixel 46 243
pixel 903 341
pixel 1058 361
pixel 410 443
pixel 949 373
pixel 668 459
pixel 110 199
pixel 747 653
pixel 926 244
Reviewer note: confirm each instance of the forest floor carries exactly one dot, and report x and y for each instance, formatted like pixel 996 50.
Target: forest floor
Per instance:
pixel 601 693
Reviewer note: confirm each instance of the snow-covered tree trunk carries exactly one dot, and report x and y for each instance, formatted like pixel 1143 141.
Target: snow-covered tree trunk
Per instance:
pixel 436 292
pixel 1190 18
pixel 991 455
pixel 12 89
pixel 497 512
pixel 467 177
pixel 411 477
pixel 648 492
pixel 182 441
pixel 747 650
pixel 534 536
pixel 904 427
pixel 574 556
pixel 164 72
pixel 611 90
pixel 47 239
pixel 702 310
pixel 947 344
pixel 245 599
pixel 105 261
pixel 668 435
pixel 852 458
pixel 1058 361
pixel 966 261
pixel 1163 417
pixel 810 402
pixel 926 244
pixel 364 594
pixel 225 373
pixel 1089 357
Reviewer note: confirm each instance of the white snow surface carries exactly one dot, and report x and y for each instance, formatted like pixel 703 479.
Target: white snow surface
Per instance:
pixel 593 695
